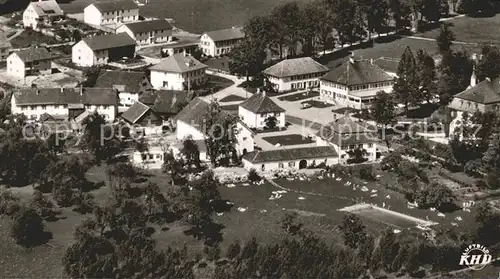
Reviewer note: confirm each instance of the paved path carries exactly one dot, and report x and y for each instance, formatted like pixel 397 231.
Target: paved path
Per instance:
pixel 18 32
pixel 231 90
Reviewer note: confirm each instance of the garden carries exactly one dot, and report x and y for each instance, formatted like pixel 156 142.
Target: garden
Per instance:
pixel 286 140
pixel 316 104
pixel 299 96
pixel 29 38
pixel 231 98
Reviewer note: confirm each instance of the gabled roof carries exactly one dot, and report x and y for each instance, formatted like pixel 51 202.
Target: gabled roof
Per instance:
pixel 148 98
pixel 109 41
pixel 47 8
pixel 34 54
pixel 260 103
pixel 135 112
pixel 4 42
pixel 357 72
pixel 131 82
pixel 169 101
pixel 149 25
pixel 294 67
pixel 346 130
pixel 485 92
pixel 289 154
pixel 65 96
pixel 194 113
pixel 178 63
pixel 110 6
pixel 226 34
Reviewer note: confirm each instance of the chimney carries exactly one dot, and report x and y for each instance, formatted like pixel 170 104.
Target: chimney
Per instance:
pixel 351 58
pixel 263 93
pixel 371 61
pixel 62 90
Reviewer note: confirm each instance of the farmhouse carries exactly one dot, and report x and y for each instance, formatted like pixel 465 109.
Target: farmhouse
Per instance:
pixel 295 74
pixel 191 123
pixel 5 47
pixel 483 97
pixel 220 42
pixel 31 61
pixel 178 72
pixel 144 119
pixel 99 50
pixel 41 13
pixel 148 32
pixel 355 84
pixel 347 136
pixel 290 158
pixel 257 109
pixel 168 103
pixel 184 45
pixel 111 12
pixel 130 85
pixel 64 103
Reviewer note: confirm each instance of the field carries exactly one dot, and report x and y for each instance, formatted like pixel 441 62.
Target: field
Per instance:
pixel 292 139
pixel 480 30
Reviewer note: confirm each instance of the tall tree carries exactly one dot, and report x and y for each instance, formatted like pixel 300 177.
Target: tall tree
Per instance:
pixel 383 109
pixel 318 20
pixel 426 76
pixel 489 63
pixel 349 21
pixel 99 138
pixel 401 12
pixel 455 72
pixel 406 83
pixel 353 230
pixel 191 153
pixel 445 38
pixel 377 14
pixel 247 58
pixel 286 26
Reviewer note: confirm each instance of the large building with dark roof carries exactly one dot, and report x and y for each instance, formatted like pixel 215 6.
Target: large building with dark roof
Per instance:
pixel 41 13
pixel 346 135
pixel 28 62
pixel 100 50
pixel 295 74
pixel 355 84
pixel 148 32
pixel 483 97
pixel 130 85
pixel 220 42
pixel 257 109
pixel 111 12
pixel 64 103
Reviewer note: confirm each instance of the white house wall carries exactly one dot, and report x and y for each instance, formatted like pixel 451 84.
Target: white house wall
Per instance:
pixel 258 121
pixel 92 15
pixel 185 130
pixel 339 94
pixel 287 164
pixel 30 17
pixel 175 81
pixel 15 66
pixel 289 84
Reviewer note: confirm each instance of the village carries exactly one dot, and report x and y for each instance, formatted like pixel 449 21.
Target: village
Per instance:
pixel 350 142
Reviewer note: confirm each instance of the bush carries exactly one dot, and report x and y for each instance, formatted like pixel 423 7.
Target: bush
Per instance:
pixel 27 228
pixel 253 176
pixel 366 173
pixel 42 206
pixel 9 204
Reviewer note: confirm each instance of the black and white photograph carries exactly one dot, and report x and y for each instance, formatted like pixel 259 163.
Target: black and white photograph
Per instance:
pixel 250 139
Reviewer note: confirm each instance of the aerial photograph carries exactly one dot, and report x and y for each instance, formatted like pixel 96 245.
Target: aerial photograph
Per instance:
pixel 250 139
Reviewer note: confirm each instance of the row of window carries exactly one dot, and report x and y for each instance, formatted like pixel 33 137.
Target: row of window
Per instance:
pixel 151 157
pixel 353 146
pixel 307 76
pixel 371 86
pixel 118 12
pixel 333 85
pixel 226 43
pixel 305 84
pixel 44 107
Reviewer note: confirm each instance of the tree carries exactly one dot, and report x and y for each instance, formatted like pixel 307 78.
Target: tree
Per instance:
pixel 220 135
pixel 290 225
pixel 271 122
pixel 401 12
pixel 319 21
pixel 426 76
pixel 76 36
pixel 445 38
pixel 455 71
pixel 42 206
pixel 348 21
pixel 253 176
pixel 356 156
pixel 435 195
pixel 27 228
pixel 431 10
pixel 90 76
pixel 100 138
pixel 285 28
pixel 353 230
pixel 473 7
pixel 383 109
pixel 377 14
pixel 405 85
pixel 488 64
pixel 191 154
pixel 247 58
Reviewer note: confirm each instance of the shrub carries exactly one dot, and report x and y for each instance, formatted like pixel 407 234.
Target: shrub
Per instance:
pixel 9 204
pixel 253 176
pixel 366 173
pixel 42 206
pixel 27 227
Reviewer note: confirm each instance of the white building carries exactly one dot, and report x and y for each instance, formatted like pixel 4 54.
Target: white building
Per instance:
pixel 220 42
pixel 41 13
pixel 191 123
pixel 258 108
pixel 184 45
pixel 64 103
pixel 28 62
pixel 148 32
pixel 346 135
pixel 5 47
pixel 290 158
pixel 355 84
pixel 130 85
pixel 151 159
pixel 295 74
pixel 111 12
pixel 99 50
pixel 178 72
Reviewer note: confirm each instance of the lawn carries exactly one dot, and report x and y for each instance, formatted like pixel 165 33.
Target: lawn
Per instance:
pixel 475 30
pixel 31 38
pixel 231 98
pixel 299 96
pixel 230 108
pixel 213 84
pixel 292 139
